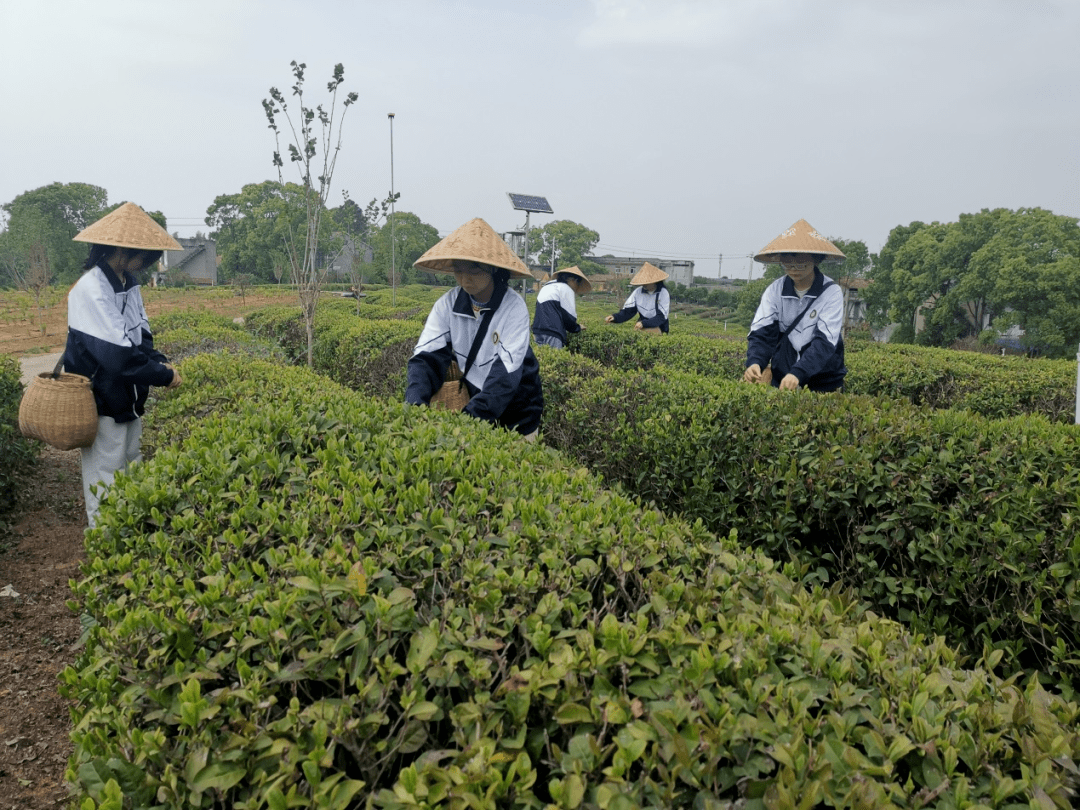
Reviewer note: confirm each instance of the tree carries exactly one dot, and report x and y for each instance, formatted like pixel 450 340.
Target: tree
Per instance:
pixel 242 282
pixel 51 216
pixel 1033 265
pixel 993 267
pixel 252 228
pixel 856 264
pixel 413 237
pixel 878 295
pixel 357 226
pixel 568 241
pixel 749 296
pixel 302 246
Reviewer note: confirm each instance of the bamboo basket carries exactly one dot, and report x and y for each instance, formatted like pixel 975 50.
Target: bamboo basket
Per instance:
pixel 453 394
pixel 59 409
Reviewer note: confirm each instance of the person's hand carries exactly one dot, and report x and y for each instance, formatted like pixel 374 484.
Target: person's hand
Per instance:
pixel 752 373
pixel 175 381
pixel 609 319
pixel 638 325
pixel 582 327
pixel 789 383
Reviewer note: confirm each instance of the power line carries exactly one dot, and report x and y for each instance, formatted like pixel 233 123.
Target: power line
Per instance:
pixel 671 253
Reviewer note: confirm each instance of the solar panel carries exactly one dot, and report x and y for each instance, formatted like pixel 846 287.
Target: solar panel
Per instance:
pixel 528 202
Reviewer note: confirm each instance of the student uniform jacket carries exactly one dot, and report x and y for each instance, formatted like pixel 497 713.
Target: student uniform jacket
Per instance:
pixel 504 379
pixel 109 341
pixel 556 311
pixel 652 307
pixel 814 351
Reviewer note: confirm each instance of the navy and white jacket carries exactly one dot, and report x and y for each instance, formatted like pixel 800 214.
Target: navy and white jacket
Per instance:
pixel 556 311
pixel 504 380
pixel 814 351
pixel 652 307
pixel 109 341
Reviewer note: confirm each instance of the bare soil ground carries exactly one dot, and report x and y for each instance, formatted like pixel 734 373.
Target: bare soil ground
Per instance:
pixel 38 632
pixel 23 330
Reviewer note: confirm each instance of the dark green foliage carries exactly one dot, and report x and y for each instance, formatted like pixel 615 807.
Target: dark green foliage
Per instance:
pixel 936 378
pixel 952 523
pixel 318 599
pixel 365 353
pixel 184 334
pixel 17 453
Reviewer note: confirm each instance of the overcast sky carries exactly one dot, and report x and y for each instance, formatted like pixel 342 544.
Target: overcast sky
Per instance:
pixel 674 128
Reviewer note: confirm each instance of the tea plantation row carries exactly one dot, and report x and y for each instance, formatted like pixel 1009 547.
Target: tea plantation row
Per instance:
pixel 953 523
pixel 310 597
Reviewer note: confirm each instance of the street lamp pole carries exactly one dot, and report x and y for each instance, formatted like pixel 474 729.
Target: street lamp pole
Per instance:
pixel 393 241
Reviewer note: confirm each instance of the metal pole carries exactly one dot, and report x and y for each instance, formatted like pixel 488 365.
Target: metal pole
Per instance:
pixel 526 249
pixel 1077 386
pixel 393 239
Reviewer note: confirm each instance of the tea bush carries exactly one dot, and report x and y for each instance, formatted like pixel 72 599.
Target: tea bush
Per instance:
pixel 950 522
pixel 18 454
pixel 367 354
pixel 182 335
pixel 988 385
pixel 317 599
pixel 863 494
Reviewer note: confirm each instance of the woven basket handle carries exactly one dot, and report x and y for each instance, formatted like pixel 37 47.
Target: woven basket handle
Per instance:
pixel 59 366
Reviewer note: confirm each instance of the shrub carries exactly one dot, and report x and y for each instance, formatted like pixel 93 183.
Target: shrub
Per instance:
pixel 952 523
pixel 18 454
pixel 319 599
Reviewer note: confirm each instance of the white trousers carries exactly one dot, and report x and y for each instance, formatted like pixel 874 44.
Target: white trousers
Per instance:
pixel 116 446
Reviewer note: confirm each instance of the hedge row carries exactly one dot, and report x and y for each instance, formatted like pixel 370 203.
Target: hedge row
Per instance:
pixel 899 503
pixel 950 522
pixel 17 454
pixel 367 354
pixel 317 599
pixel 988 385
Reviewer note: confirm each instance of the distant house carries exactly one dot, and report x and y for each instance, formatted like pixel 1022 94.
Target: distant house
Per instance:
pixel 198 260
pixel 351 250
pixel 854 305
pixel 624 267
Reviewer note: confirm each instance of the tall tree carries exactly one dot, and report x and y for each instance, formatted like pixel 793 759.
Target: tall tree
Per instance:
pixel 252 228
pixel 567 241
pixel 412 238
pixel 982 269
pixel 1033 265
pixel 878 295
pixel 51 216
pixel 304 150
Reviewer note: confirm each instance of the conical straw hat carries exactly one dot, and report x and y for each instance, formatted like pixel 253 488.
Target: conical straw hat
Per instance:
pixel 799 238
pixel 648 274
pixel 128 227
pixel 586 287
pixel 474 241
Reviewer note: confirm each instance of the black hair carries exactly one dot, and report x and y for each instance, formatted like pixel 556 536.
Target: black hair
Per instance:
pixel 565 277
pixel 99 252
pixel 97 256
pixel 500 275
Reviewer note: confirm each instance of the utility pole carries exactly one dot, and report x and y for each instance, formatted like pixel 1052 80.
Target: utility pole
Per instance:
pixel 393 240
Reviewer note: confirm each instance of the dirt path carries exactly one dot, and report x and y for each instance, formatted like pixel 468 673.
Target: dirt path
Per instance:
pixel 39 556
pixel 38 634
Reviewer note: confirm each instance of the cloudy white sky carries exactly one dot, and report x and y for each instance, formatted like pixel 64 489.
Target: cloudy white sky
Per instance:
pixel 674 128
